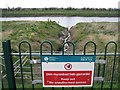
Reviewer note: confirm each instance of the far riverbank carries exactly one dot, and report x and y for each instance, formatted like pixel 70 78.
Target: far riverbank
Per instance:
pixel 33 12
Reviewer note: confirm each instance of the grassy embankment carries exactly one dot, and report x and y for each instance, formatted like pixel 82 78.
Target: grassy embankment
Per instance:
pixel 33 32
pixel 59 12
pixel 100 33
pixel 36 32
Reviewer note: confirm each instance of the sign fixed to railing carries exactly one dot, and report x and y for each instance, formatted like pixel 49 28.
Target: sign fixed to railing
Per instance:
pixel 67 70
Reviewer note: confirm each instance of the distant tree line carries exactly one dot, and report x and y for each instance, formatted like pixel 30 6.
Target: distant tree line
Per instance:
pixel 55 8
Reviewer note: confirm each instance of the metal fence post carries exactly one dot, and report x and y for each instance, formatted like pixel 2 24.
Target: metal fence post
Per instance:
pixel 41 49
pixel 9 65
pixel 94 44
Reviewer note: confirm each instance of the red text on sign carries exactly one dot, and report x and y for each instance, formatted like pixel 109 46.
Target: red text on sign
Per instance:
pixel 67 77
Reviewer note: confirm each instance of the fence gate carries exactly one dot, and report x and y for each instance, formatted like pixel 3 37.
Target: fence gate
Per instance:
pixel 61 71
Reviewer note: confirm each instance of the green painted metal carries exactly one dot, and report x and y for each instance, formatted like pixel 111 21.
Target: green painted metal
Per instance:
pixel 68 42
pixel 46 42
pixel 7 48
pixel 2 84
pixel 98 73
pixel 51 51
pixel 105 57
pixel 115 51
pixel 30 57
pixel 9 65
pixel 85 46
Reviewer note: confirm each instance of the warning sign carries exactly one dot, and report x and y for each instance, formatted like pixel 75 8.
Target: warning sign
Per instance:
pixel 67 71
pixel 67 77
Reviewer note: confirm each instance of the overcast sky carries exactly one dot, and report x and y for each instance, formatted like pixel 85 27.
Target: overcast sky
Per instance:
pixel 59 3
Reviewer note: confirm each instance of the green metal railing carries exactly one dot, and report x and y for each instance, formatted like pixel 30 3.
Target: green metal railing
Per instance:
pixel 100 69
pixel 9 65
pixel 30 57
pixel 105 57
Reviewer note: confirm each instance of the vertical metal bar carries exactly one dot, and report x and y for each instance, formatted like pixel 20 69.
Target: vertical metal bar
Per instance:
pixel 31 67
pixel 51 54
pixel 52 88
pixel 2 84
pixel 118 41
pixel 73 54
pixel 21 63
pixel 41 46
pixel 63 54
pixel 113 64
pixel 9 65
pixel 21 69
pixel 103 71
pixel 42 88
pixel 94 54
pixel 82 88
pixel 2 77
pixel 98 73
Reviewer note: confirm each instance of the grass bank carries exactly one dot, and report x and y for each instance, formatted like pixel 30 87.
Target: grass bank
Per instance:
pixel 99 32
pixel 32 31
pixel 35 32
pixel 58 12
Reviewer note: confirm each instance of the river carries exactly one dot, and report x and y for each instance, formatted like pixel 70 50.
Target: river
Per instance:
pixel 63 21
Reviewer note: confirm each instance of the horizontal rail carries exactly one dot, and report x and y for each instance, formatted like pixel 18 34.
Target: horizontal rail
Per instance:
pixel 98 78
pixel 101 61
pixel 39 61
pixel 35 62
pixel 29 73
pixel 1 54
pixel 37 82
pixel 27 67
pixel 37 54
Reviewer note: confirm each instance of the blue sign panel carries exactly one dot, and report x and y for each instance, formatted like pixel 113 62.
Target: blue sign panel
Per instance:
pixel 68 58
